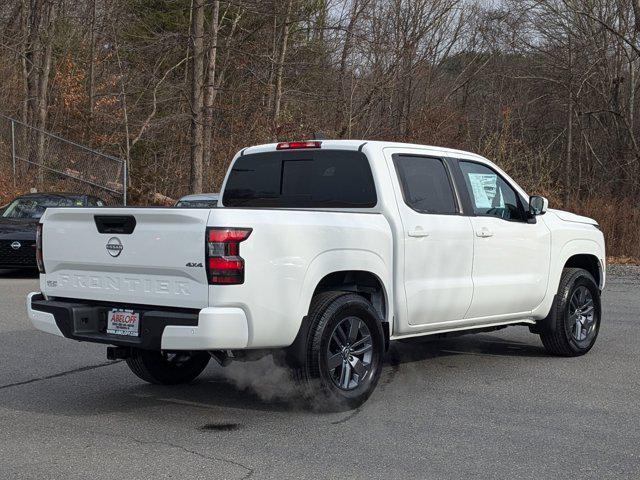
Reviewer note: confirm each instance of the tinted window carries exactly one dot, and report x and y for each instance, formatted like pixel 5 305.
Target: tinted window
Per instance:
pixel 301 179
pixel 425 184
pixel 490 194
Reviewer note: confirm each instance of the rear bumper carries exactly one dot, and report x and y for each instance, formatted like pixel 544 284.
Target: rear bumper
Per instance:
pixel 214 328
pixel 44 321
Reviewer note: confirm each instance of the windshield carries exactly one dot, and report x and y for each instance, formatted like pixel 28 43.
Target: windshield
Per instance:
pixel 34 207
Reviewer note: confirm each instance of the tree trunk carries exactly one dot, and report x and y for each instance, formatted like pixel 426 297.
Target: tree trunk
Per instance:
pixel 277 99
pixel 274 52
pixel 45 20
pixel 636 13
pixel 92 63
pixel 33 56
pixel 197 81
pixel 321 22
pixel 24 32
pixel 23 135
pixel 568 161
pixel 210 90
pixel 346 47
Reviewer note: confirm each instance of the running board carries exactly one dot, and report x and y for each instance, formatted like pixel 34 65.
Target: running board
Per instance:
pixel 469 329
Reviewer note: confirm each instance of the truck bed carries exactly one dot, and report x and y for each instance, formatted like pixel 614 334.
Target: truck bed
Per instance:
pixel 161 262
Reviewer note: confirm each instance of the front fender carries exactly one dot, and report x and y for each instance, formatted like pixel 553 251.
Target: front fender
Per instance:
pixel 568 250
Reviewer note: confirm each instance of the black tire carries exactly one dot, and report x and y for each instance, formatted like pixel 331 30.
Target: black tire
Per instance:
pixel 558 331
pixel 167 368
pixel 330 316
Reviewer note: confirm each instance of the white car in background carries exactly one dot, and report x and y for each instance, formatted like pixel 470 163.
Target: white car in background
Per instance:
pixel 321 252
pixel 198 200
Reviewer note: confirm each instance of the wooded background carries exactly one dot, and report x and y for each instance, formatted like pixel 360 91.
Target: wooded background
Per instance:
pixel 545 88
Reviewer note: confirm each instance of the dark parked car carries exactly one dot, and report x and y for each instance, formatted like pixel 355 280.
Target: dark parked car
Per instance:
pixel 199 200
pixel 18 222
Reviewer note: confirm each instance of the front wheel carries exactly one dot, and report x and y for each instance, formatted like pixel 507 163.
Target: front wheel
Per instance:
pixel 572 326
pixel 344 351
pixel 167 368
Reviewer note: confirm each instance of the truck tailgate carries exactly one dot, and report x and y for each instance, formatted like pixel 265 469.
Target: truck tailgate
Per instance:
pixel 151 256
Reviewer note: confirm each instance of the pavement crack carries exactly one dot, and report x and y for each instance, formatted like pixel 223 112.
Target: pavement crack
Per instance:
pixel 250 471
pixel 58 375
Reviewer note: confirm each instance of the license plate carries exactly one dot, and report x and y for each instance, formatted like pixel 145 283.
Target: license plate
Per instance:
pixel 123 322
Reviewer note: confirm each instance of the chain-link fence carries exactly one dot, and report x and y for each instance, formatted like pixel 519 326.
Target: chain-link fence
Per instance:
pixel 46 162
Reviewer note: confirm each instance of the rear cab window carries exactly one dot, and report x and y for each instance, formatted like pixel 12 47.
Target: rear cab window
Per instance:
pixel 426 186
pixel 301 179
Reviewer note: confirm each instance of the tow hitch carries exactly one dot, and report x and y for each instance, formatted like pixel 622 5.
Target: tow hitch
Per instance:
pixel 118 353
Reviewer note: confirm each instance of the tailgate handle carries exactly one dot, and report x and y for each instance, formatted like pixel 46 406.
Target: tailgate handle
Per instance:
pixel 121 224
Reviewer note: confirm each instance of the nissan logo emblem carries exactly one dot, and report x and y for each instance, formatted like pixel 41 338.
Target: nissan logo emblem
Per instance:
pixel 114 246
pixel 16 245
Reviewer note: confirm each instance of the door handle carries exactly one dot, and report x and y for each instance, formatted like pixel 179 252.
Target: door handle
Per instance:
pixel 484 232
pixel 418 232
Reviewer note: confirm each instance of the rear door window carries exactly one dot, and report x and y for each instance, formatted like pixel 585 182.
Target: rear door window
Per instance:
pixel 426 186
pixel 301 179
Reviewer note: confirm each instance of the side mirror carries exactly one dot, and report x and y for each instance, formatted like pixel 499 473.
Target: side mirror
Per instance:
pixel 538 205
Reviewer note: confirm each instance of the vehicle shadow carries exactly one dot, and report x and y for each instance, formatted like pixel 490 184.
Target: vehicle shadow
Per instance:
pixel 415 349
pixel 257 386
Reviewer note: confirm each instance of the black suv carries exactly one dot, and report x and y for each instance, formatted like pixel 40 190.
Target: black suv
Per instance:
pixel 18 222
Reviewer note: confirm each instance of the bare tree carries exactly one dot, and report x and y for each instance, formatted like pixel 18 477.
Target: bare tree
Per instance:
pixel 197 82
pixel 284 40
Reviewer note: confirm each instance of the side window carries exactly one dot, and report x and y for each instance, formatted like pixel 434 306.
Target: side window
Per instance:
pixel 490 194
pixel 426 186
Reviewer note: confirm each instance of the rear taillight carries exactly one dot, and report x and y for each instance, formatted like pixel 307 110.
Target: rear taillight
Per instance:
pixel 225 266
pixel 39 259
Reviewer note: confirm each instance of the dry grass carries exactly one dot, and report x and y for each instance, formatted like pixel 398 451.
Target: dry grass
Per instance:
pixel 7 190
pixel 623 260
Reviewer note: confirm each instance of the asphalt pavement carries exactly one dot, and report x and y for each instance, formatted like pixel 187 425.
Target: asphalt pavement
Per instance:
pixel 490 405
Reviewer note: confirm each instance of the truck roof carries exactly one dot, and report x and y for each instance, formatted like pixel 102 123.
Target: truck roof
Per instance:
pixel 358 144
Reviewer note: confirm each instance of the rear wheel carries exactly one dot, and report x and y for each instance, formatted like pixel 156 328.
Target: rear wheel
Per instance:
pixel 573 324
pixel 167 368
pixel 344 351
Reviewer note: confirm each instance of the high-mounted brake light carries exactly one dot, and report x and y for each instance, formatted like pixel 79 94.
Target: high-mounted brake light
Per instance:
pixel 225 266
pixel 39 259
pixel 297 145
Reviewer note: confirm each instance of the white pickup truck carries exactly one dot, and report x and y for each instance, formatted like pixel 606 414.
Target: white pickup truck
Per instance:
pixel 323 251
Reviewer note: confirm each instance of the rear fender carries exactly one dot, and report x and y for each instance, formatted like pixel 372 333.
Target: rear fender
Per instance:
pixel 344 260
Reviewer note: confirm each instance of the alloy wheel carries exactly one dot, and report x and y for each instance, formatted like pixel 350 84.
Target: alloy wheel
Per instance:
pixel 582 315
pixel 349 353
